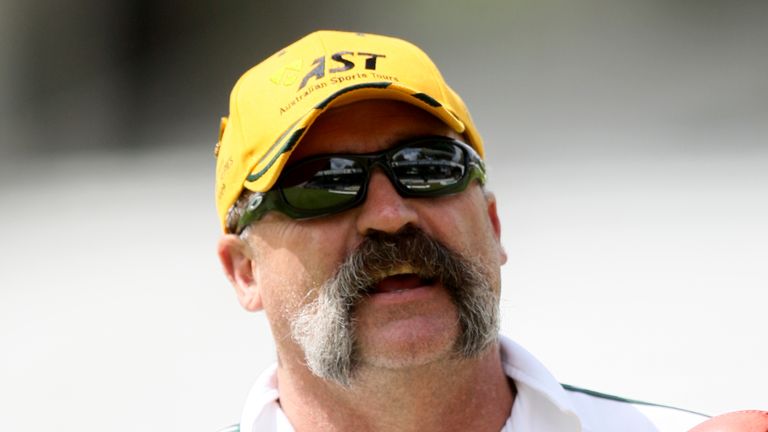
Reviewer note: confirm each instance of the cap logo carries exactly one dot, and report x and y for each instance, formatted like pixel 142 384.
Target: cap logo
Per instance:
pixel 288 74
pixel 341 61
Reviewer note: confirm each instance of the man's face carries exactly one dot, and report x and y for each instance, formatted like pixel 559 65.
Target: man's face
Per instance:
pixel 441 267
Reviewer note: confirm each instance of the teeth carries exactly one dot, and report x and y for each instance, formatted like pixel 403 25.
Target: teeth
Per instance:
pixel 403 269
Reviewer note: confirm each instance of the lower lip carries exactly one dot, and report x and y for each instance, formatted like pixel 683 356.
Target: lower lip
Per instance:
pixel 419 293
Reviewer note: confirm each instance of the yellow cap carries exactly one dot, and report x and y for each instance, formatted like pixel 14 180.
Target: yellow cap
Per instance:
pixel 273 104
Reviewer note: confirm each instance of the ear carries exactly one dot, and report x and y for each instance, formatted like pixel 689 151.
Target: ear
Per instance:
pixel 493 216
pixel 236 258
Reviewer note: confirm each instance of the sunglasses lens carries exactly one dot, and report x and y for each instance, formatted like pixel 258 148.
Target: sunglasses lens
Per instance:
pixel 328 184
pixel 323 183
pixel 429 170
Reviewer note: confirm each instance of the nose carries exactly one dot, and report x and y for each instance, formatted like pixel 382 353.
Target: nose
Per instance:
pixel 384 209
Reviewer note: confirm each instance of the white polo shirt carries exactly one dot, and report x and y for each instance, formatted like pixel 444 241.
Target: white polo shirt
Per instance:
pixel 541 404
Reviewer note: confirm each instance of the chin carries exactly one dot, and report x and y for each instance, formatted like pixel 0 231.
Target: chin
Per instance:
pixel 408 344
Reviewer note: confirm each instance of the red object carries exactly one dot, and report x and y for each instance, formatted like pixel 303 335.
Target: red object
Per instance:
pixel 737 421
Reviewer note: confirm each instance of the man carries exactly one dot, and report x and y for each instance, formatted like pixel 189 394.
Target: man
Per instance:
pixel 349 185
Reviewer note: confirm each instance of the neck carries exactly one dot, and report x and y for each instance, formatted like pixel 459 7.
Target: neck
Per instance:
pixel 446 395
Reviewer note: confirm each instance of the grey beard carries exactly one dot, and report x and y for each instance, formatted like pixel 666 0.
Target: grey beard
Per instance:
pixel 325 328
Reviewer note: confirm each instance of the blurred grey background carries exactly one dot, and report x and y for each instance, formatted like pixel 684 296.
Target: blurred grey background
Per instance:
pixel 627 143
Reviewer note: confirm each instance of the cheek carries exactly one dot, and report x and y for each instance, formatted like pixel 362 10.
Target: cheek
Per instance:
pixel 283 282
pixel 283 275
pixel 295 259
pixel 462 223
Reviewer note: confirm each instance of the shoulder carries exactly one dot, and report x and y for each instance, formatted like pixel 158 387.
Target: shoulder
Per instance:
pixel 601 412
pixel 596 411
pixel 233 428
pixel 609 412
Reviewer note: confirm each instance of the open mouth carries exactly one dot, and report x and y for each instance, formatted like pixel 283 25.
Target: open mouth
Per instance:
pixel 401 280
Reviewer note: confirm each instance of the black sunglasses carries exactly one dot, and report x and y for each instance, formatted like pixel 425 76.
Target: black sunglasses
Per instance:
pixel 331 183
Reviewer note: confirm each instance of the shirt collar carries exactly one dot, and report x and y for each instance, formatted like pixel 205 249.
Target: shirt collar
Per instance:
pixel 532 379
pixel 261 406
